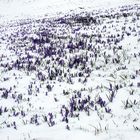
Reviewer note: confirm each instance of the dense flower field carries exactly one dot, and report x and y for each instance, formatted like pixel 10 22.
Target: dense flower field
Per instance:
pixel 78 72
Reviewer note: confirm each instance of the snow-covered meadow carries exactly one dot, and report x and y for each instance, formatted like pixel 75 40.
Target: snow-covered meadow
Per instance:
pixel 69 70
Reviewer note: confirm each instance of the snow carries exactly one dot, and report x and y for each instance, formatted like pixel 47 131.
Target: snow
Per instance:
pixel 122 123
pixel 14 9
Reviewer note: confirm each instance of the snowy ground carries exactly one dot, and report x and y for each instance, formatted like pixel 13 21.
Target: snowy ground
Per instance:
pixel 87 63
pixel 11 9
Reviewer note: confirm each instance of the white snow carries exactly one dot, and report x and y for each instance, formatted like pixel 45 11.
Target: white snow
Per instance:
pixel 120 124
pixel 14 9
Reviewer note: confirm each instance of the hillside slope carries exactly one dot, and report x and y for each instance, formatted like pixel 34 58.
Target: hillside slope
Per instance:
pixel 15 9
pixel 72 75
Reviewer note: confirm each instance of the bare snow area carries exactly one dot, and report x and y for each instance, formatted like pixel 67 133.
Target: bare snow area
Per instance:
pixel 14 9
pixel 69 69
